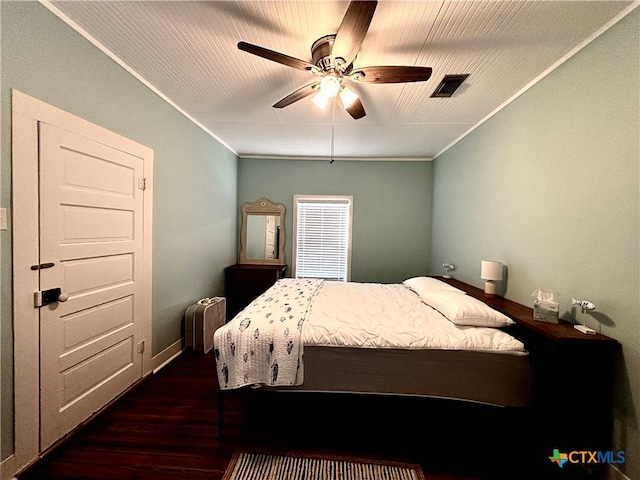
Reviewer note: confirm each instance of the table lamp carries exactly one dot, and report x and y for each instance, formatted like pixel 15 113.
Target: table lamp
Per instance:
pixel 490 271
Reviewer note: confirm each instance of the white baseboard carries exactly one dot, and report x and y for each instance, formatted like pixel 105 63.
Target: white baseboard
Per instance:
pixel 8 468
pixel 166 356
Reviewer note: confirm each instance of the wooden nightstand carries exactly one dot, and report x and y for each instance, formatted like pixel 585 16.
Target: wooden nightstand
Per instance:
pixel 572 377
pixel 245 282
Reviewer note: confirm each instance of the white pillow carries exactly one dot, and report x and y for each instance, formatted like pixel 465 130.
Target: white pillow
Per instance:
pixel 422 285
pixel 465 310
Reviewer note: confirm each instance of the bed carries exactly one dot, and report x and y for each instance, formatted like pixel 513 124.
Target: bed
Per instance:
pixel 421 337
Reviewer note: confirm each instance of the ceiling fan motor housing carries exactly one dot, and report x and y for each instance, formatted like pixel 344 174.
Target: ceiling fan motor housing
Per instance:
pixel 321 54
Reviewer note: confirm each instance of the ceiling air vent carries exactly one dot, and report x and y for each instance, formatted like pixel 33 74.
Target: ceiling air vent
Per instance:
pixel 449 85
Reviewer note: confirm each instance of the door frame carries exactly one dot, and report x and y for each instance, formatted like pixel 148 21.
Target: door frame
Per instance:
pixel 27 112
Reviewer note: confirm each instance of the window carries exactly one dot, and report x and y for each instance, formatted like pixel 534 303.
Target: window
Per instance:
pixel 322 236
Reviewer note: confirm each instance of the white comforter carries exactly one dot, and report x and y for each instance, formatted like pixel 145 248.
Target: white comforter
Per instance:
pixel 391 316
pixel 263 344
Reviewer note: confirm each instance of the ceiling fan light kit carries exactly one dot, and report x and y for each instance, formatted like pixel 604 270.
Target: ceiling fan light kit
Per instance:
pixel 347 96
pixel 321 100
pixel 330 85
pixel 333 57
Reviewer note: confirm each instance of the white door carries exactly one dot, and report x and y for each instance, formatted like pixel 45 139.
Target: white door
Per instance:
pixel 91 245
pixel 270 237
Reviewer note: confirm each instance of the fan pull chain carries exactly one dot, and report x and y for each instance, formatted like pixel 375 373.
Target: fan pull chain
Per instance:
pixel 333 122
pixel 332 143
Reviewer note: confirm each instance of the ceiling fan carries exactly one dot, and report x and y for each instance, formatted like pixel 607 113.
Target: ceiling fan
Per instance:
pixel 333 57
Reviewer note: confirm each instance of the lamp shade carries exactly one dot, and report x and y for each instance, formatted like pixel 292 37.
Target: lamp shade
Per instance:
pixel 330 85
pixel 491 270
pixel 320 99
pixel 347 96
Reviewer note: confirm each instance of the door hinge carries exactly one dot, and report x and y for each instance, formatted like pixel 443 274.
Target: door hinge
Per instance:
pixel 142 183
pixel 141 347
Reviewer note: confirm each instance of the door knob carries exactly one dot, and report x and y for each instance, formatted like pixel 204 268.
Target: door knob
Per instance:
pixel 45 297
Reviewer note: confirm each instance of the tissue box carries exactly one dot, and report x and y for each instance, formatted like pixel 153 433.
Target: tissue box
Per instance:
pixel 546 311
pixel 545 306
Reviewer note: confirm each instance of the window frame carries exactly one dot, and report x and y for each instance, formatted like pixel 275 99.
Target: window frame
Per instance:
pixel 343 199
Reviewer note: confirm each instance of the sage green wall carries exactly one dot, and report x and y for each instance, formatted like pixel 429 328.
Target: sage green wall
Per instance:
pixel 550 186
pixel 391 208
pixel 195 177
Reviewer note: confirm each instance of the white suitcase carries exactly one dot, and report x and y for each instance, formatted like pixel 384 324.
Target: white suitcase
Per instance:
pixel 201 320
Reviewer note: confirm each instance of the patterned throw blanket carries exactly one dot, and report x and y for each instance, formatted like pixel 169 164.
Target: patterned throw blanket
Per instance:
pixel 262 344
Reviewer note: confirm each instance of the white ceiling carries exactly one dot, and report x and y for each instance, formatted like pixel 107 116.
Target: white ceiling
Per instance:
pixel 186 51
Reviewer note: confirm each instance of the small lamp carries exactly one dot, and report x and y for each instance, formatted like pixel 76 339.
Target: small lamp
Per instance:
pixel 490 271
pixel 448 268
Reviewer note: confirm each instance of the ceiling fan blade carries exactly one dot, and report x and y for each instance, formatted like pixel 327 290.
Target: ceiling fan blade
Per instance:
pixel 391 74
pixel 297 95
pixel 276 56
pixel 353 29
pixel 355 109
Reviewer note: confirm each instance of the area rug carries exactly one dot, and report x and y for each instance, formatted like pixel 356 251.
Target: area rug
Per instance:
pixel 247 465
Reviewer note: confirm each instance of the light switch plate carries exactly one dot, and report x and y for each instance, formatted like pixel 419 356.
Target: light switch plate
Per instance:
pixel 3 218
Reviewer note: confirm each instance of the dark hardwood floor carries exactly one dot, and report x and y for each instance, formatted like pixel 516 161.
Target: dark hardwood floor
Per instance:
pixel 167 428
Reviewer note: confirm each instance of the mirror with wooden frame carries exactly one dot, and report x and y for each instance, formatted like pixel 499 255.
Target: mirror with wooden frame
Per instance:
pixel 262 234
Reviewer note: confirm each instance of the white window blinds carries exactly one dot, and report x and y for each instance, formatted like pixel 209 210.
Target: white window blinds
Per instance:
pixel 322 237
